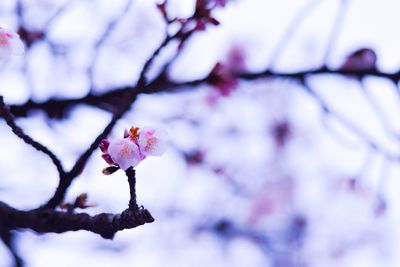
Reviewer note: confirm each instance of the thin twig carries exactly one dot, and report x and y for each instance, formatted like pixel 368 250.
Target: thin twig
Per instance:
pixel 142 77
pixel 10 120
pixel 104 37
pixel 380 113
pixel 8 239
pixel 349 125
pixel 79 165
pixel 291 29
pixel 337 26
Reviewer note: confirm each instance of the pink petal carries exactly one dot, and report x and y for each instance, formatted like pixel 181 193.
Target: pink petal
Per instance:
pixel 125 153
pixel 10 44
pixel 152 141
pixel 157 148
pixel 104 145
pixel 107 158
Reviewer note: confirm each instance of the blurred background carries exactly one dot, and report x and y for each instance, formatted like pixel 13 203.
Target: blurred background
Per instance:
pixel 274 172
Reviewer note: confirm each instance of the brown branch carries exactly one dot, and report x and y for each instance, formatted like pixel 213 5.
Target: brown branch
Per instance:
pixel 142 77
pixel 123 105
pixel 66 180
pixel 130 173
pixel 48 220
pixel 111 100
pixel 8 239
pixel 51 221
pixel 10 120
pixel 321 71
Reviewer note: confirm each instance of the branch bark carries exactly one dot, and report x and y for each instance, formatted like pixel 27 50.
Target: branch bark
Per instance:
pixel 48 220
pixel 51 221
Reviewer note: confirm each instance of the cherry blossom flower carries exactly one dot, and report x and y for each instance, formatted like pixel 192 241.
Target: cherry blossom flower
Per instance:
pixel 10 44
pixel 125 153
pixel 134 147
pixel 235 60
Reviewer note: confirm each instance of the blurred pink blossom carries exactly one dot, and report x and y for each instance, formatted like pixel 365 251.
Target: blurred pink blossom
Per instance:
pixel 222 79
pixel 236 59
pixel 10 44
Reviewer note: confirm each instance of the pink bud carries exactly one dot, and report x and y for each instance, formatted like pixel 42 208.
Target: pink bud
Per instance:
pixel 104 145
pixel 107 158
pixel 363 59
pixel 213 21
pixel 110 170
pixel 236 59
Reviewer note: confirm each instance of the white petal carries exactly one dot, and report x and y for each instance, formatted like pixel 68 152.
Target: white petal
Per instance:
pixel 158 148
pixel 152 141
pixel 17 46
pixel 125 153
pixel 158 132
pixel 5 52
pixel 10 43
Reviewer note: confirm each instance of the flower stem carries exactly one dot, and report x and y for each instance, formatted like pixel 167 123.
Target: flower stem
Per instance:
pixel 130 173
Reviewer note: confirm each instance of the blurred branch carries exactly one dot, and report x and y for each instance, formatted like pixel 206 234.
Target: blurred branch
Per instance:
pixel 111 100
pixel 291 29
pixel 182 35
pixel 337 26
pixel 8 239
pixel 79 165
pixel 383 119
pixel 359 74
pixel 124 104
pixel 280 247
pixel 10 120
pixel 349 125
pixel 103 38
pixel 119 100
pixel 142 77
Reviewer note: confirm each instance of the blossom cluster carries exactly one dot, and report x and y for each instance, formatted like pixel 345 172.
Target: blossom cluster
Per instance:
pixel 134 147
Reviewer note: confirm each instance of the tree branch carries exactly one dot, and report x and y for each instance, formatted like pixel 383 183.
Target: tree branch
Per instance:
pixel 48 220
pixel 10 120
pixel 111 100
pixel 51 221
pixel 8 239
